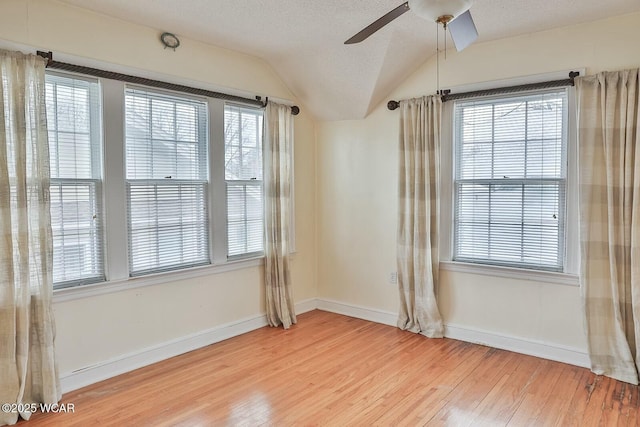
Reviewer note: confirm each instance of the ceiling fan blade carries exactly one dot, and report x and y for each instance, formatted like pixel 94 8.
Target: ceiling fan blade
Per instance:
pixel 463 31
pixel 379 23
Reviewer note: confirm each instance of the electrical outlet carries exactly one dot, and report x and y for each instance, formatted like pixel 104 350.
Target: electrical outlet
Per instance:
pixel 393 277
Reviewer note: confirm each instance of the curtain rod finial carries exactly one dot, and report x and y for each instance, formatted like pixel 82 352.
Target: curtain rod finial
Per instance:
pixel 392 105
pixel 295 110
pixel 46 55
pixel 573 75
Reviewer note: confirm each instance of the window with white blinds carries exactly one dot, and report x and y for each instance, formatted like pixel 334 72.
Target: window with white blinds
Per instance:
pixel 243 176
pixel 510 180
pixel 166 180
pixel 150 193
pixel 73 121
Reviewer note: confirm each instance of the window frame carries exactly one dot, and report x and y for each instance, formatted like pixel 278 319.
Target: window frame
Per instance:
pixel 245 182
pixel 204 182
pixel 569 274
pixel 524 183
pixel 115 238
pixel 96 182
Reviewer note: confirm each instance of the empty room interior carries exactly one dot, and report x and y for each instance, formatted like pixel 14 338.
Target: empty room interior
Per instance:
pixel 319 212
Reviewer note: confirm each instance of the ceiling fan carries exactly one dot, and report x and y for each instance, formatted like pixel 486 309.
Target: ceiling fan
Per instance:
pixel 453 14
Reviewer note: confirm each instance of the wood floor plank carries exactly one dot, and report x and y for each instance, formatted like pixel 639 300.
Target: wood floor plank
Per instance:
pixel 560 397
pixel 398 378
pixel 574 414
pixel 597 391
pixel 500 404
pixel 465 398
pixel 532 405
pixel 333 370
pixel 437 384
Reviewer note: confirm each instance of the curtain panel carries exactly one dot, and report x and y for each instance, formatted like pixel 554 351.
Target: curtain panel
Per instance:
pixel 278 144
pixel 609 156
pixel 418 212
pixel 28 371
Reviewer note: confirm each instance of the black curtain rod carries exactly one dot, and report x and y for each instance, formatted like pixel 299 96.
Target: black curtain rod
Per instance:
pixel 446 94
pixel 95 72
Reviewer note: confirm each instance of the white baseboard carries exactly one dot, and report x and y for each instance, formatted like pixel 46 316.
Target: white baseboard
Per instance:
pixel 360 312
pixel 550 351
pixel 544 350
pixel 119 365
pixel 128 362
pixel 306 305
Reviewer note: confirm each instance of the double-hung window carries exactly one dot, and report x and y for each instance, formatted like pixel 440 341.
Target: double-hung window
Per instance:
pixel 73 121
pixel 166 181
pixel 510 180
pixel 176 183
pixel 243 177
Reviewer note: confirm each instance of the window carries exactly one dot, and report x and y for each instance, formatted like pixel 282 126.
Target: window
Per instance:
pixel 147 180
pixel 510 180
pixel 243 177
pixel 166 180
pixel 73 120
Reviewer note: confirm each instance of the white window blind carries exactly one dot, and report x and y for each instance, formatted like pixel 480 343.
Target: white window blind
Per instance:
pixel 243 175
pixel 167 179
pixel 510 180
pixel 73 121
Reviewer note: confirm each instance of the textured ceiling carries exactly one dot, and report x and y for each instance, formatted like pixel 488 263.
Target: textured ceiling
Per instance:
pixel 303 39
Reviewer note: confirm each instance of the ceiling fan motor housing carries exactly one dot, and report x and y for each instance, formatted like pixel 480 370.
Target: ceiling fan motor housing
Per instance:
pixel 434 10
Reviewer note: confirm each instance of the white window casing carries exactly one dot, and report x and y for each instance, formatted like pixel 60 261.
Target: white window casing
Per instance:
pixel 167 181
pixel 555 189
pixel 510 180
pixel 243 178
pixel 167 197
pixel 77 220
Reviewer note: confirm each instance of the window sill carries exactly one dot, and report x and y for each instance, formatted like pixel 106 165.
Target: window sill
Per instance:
pixel 512 273
pixel 108 287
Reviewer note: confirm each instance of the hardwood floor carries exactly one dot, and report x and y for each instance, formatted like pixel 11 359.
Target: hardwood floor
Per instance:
pixel 340 371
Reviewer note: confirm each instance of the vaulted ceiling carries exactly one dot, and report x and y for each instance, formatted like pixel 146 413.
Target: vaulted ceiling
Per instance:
pixel 303 39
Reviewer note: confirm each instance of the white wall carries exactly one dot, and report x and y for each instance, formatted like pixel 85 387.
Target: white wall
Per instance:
pixel 93 330
pixel 357 189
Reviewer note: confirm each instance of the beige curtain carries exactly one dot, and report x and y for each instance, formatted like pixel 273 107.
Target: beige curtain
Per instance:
pixel 417 248
pixel 278 144
pixel 609 149
pixel 28 372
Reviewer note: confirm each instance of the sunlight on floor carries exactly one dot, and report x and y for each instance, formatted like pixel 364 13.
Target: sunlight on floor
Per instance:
pixel 255 410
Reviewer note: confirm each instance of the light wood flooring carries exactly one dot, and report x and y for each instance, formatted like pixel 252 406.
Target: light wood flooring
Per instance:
pixel 332 370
